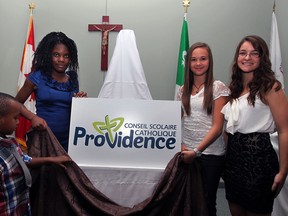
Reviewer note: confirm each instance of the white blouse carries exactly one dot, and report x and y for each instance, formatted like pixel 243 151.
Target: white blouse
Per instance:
pixel 197 125
pixel 244 118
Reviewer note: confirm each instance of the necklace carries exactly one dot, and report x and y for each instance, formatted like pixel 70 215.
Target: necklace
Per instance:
pixel 198 88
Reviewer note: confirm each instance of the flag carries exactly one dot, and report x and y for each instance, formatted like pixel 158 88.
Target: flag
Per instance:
pixel 184 46
pixel 280 203
pixel 275 51
pixel 25 68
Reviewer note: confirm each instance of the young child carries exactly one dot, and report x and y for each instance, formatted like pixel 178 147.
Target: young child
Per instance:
pixel 15 178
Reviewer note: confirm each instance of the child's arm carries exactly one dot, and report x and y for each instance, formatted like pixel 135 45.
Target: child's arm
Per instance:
pixel 38 161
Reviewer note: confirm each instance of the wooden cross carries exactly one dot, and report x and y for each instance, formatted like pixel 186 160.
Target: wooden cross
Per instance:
pixel 105 28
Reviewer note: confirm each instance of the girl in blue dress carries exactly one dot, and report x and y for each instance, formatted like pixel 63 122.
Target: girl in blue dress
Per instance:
pixel 54 81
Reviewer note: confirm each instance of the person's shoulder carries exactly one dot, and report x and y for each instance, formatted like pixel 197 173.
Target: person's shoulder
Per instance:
pixel 275 91
pixel 218 82
pixel 4 155
pixel 220 89
pixel 36 74
pixel 277 86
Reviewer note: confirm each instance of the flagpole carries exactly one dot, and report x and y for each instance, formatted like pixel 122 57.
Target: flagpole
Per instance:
pixel 31 8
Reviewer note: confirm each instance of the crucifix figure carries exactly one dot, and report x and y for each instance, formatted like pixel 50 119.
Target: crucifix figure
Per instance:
pixel 105 28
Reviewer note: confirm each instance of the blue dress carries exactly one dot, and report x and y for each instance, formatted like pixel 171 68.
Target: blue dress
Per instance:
pixel 53 102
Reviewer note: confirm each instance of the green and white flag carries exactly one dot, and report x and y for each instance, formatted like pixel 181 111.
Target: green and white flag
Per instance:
pixel 184 46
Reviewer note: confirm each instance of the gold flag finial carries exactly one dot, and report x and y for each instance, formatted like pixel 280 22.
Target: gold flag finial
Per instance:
pixel 32 6
pixel 186 4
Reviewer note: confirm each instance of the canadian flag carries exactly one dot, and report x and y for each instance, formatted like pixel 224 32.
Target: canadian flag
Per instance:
pixel 25 69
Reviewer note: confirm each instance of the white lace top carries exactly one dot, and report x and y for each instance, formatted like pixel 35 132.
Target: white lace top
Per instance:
pixel 244 118
pixel 196 126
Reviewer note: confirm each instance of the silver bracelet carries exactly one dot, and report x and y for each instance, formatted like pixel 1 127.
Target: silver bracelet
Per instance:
pixel 197 152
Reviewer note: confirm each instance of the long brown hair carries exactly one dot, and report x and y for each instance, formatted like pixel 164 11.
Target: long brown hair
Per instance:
pixel 189 80
pixel 263 79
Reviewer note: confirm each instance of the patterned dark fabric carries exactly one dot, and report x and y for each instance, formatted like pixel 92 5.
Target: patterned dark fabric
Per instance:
pixel 251 165
pixel 56 191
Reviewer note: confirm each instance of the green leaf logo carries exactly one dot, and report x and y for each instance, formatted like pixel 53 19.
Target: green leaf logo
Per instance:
pixel 109 125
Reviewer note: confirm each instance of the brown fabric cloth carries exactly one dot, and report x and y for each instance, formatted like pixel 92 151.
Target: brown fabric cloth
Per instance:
pixel 58 191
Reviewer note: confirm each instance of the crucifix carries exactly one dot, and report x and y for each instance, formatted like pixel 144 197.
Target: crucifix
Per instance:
pixel 105 28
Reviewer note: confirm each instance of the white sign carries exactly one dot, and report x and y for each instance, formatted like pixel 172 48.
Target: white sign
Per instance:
pixel 124 132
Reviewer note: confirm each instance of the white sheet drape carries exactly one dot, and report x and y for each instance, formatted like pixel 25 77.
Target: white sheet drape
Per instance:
pixel 125 77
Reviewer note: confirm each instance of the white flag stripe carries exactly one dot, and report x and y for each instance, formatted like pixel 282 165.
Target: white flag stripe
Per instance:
pixel 275 51
pixel 26 69
pixel 27 61
pixel 177 87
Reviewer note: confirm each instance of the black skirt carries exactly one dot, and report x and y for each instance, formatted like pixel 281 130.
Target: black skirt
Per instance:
pixel 250 168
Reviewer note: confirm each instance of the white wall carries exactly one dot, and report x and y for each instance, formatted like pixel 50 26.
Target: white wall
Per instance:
pixel 157 26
